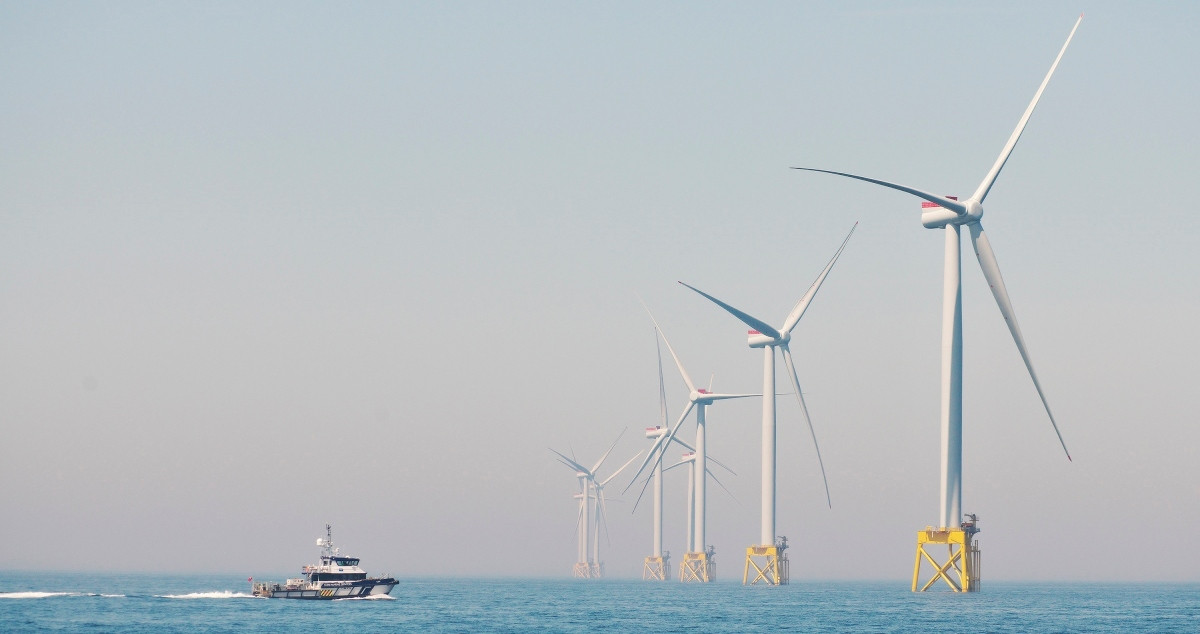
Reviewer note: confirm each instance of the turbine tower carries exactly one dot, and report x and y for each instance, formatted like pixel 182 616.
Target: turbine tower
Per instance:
pixel 591 494
pixel 948 213
pixel 767 557
pixel 697 563
pixel 655 567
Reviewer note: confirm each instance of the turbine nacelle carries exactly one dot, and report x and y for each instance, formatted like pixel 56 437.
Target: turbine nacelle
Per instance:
pixel 701 396
pixel 655 432
pixel 756 339
pixel 936 216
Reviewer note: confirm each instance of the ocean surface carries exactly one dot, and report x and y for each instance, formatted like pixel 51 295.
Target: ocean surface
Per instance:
pixel 75 602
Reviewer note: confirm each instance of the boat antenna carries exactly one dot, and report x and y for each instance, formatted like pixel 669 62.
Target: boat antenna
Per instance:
pixel 327 543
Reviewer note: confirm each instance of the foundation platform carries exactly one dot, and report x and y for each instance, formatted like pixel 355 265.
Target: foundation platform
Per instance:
pixel 769 563
pixel 655 568
pixel 961 568
pixel 699 567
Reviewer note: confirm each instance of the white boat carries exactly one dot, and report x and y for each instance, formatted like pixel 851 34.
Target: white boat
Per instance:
pixel 336 577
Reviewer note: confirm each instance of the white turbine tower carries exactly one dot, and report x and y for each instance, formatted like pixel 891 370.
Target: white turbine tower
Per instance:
pixel 774 567
pixel 696 565
pixel 949 213
pixel 588 564
pixel 656 565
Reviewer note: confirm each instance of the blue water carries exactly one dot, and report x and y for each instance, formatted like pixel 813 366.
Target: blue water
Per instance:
pixel 159 603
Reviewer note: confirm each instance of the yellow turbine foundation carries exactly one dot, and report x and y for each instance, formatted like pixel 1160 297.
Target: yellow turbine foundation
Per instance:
pixel 588 570
pixel 655 568
pixel 770 564
pixel 699 567
pixel 962 566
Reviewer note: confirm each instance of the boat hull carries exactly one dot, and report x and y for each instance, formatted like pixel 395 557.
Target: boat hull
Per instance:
pixel 370 587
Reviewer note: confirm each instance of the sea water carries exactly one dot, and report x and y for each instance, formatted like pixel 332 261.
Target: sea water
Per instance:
pixel 31 602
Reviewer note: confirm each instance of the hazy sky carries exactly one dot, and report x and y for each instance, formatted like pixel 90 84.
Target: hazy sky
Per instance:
pixel 266 266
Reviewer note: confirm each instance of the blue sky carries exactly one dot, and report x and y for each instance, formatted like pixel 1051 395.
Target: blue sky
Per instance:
pixel 269 266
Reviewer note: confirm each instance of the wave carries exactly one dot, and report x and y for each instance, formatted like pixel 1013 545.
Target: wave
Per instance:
pixel 216 594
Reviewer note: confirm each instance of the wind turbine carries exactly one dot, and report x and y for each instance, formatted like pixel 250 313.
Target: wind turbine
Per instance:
pixel 698 398
pixel 764 336
pixel 701 570
pixel 656 565
pixel 602 512
pixel 585 566
pixel 949 213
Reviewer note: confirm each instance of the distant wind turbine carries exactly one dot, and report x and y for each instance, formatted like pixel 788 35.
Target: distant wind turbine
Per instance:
pixel 700 399
pixel 588 564
pixel 764 336
pixel 656 564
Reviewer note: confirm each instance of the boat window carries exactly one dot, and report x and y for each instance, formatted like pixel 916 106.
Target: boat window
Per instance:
pixel 335 576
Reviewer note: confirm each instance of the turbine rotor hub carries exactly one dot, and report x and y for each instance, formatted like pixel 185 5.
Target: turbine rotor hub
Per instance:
pixel 974 211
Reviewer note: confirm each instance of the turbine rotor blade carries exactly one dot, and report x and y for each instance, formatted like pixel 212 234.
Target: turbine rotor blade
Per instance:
pixel 605 456
pixel 683 443
pixel 753 322
pixel 952 205
pixel 723 487
pixel 645 485
pixel 675 429
pixel 571 463
pixel 990 179
pixel 794 317
pixel 660 445
pixel 579 520
pixel 677 464
pixel 662 388
pixel 787 359
pixel 656 448
pixel 991 271
pixel 722 465
pixel 618 471
pixel 686 379
pixel 602 516
pixel 724 397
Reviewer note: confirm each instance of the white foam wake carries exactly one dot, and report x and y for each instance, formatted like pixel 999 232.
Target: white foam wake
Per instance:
pixel 38 595
pixel 372 597
pixel 216 594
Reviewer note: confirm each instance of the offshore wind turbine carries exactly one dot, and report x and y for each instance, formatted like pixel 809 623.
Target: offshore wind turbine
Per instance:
pixel 700 573
pixel 602 512
pixel 697 563
pixel 588 563
pixel 656 565
pixel 774 566
pixel 949 213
